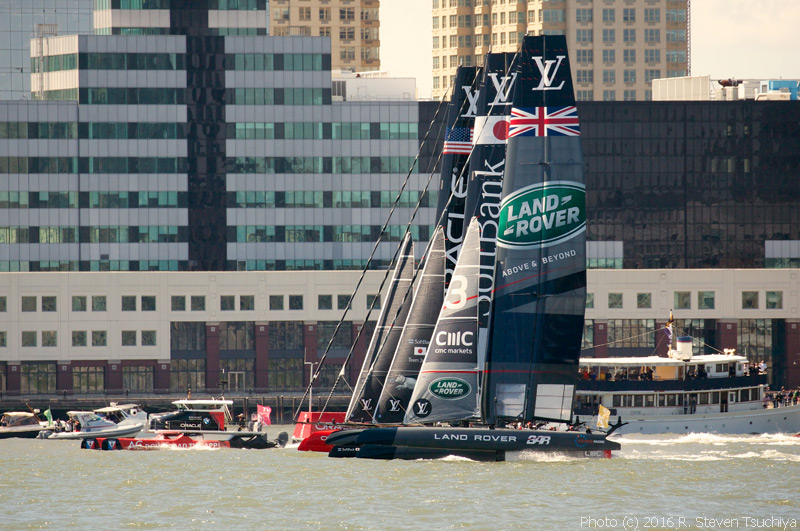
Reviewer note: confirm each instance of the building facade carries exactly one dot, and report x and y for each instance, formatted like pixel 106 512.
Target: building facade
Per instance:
pixel 616 47
pixel 19 21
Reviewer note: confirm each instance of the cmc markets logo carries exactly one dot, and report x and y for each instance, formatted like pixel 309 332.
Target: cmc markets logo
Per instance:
pixel 449 388
pixel 542 214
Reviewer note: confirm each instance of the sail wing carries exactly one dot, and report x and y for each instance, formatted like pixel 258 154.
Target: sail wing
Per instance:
pixel 486 169
pixel 384 340
pixel 416 336
pixel 540 275
pixel 455 156
pixel 447 386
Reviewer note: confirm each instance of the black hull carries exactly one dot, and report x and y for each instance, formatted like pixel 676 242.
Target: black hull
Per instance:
pixel 481 444
pixel 22 434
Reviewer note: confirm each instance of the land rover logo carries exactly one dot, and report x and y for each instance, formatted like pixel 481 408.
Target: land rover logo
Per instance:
pixel 449 388
pixel 542 214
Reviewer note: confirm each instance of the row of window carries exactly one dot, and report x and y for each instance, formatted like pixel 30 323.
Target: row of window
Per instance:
pixel 330 199
pixel 324 130
pixel 49 338
pixel 302 264
pixel 147 303
pixel 321 165
pixel 93 165
pixel 323 233
pixel 91 130
pixel 679 399
pixel 278 96
pixel 705 300
pixel 101 234
pixel 233 165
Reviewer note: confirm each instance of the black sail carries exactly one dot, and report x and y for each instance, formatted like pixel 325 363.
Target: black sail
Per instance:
pixel 455 157
pixel 384 340
pixel 486 168
pixel 540 274
pixel 415 339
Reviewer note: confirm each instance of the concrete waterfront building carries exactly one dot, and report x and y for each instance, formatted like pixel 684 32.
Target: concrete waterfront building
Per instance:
pixel 616 47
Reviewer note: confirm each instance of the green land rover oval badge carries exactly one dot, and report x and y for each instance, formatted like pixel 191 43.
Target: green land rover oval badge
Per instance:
pixel 542 214
pixel 449 388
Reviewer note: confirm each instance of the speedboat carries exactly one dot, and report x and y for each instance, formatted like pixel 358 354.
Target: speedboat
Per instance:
pixel 21 424
pixel 682 393
pixel 114 421
pixel 194 415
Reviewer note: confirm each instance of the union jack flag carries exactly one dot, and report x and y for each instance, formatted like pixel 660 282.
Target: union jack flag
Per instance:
pixel 545 121
pixel 458 141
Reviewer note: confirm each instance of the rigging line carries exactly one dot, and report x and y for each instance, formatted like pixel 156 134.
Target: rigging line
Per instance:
pixel 369 261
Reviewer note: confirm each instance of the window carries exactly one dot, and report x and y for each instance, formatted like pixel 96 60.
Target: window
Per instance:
pixel 88 379
pixel 178 303
pixel 631 333
pixel 138 378
pixel 78 303
pixel 227 303
pixel 629 35
pixel 148 303
pixel 28 339
pixel 683 300
pixel 148 338
pixel 198 303
pixel 98 303
pixel 342 302
pixel 609 76
pixel 652 56
pixel 629 14
pixel 653 15
pixel 583 35
pixel 373 299
pixel 650 75
pixel 609 35
pixel 705 300
pixel 99 338
pixel 749 300
pixel 49 338
pixel 247 302
pixel 305 13
pixel 128 303
pixel 583 15
pixel 48 304
pixel 609 15
pixel 590 300
pixel 276 302
pixel 285 372
pixel 79 338
pixel 295 302
pixel 644 300
pixel 585 76
pixel 325 14
pixel 630 95
pixel 615 300
pixel 28 304
pixel 187 374
pixel 629 76
pixel 325 330
pixel 3 304
pixel 629 56
pixel 129 338
pixel 584 56
pixel 609 56
pixel 325 302
pixel 774 300
pixel 38 377
pixel 652 35
pixel 347 13
pixel 286 335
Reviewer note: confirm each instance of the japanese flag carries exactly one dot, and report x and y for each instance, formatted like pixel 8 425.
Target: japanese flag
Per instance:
pixel 419 351
pixel 491 130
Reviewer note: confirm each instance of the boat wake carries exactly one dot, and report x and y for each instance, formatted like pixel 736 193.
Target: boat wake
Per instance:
pixel 708 438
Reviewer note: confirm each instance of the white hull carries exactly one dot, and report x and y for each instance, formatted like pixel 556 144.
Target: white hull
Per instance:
pixel 777 420
pixel 117 431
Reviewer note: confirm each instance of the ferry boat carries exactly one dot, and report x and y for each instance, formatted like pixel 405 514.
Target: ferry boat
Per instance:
pixel 682 393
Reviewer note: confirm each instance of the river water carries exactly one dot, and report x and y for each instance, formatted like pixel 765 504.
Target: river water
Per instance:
pixel 694 481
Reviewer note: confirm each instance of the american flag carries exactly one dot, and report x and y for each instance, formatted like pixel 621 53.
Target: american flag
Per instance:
pixel 545 121
pixel 458 141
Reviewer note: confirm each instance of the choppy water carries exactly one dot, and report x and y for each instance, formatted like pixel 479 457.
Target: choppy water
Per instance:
pixel 656 482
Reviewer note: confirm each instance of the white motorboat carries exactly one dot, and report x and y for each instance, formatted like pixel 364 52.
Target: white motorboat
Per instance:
pixel 20 424
pixel 682 393
pixel 114 421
